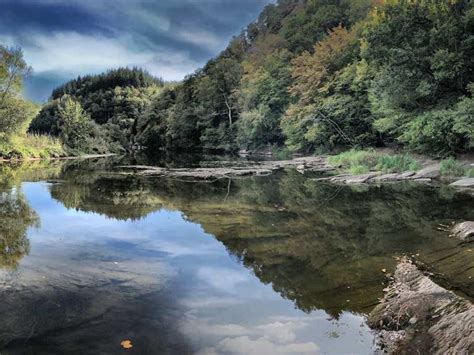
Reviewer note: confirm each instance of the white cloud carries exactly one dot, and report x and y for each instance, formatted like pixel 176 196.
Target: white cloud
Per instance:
pixel 201 38
pixel 78 54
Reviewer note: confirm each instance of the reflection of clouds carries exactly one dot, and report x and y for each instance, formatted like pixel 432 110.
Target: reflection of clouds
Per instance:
pixel 268 338
pixel 222 278
pixel 245 345
pixel 211 301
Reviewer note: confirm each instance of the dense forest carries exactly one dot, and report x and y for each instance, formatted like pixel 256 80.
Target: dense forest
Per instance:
pixel 310 75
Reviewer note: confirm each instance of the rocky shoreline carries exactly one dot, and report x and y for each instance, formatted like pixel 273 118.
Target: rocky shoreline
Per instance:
pixel 317 164
pixel 419 316
pixel 260 168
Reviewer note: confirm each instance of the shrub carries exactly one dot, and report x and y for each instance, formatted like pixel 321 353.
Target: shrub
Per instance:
pixel 470 173
pixel 451 167
pixel 396 163
pixel 368 158
pixel 362 161
pixel 359 169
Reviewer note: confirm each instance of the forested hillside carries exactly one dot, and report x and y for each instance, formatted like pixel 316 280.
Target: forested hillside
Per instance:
pixel 98 113
pixel 311 75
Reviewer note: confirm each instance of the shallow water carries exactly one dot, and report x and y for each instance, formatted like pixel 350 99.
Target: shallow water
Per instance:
pixel 281 264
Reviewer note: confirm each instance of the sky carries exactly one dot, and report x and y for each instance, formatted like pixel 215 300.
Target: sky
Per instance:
pixel 62 39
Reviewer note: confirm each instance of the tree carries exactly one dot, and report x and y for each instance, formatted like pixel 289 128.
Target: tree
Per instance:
pixel 74 124
pixel 14 111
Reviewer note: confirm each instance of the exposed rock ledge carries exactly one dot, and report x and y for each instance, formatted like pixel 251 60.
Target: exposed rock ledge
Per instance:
pixel 417 316
pixel 426 174
pixel 464 231
pixel 313 164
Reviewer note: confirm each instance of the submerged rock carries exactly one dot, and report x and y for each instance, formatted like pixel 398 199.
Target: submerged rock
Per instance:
pixel 464 231
pixel 419 316
pixel 313 164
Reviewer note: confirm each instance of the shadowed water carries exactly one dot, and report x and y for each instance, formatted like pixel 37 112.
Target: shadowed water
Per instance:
pixel 91 256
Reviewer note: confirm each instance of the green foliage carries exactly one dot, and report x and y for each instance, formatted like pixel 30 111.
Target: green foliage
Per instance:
pixel 114 101
pixel 359 169
pixel 420 73
pixel 16 113
pixel 281 153
pixel 451 167
pixel 31 146
pixel 312 75
pixel 470 173
pixel 362 161
pixel 396 163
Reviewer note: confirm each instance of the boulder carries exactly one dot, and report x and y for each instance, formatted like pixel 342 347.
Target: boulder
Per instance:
pixel 464 231
pixel 466 182
pixel 417 316
pixel 432 171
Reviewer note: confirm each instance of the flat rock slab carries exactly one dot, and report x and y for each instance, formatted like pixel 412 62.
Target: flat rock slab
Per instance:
pixel 464 231
pixel 419 316
pixel 432 171
pixel 467 182
pixel 313 164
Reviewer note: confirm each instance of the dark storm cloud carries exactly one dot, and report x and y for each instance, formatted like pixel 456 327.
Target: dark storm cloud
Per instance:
pixel 170 38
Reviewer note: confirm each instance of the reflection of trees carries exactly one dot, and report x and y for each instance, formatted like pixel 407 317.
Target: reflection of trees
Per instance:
pixel 15 218
pixel 321 246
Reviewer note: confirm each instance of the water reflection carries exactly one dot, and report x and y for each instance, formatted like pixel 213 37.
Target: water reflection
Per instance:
pixel 151 266
pixel 15 218
pixel 321 246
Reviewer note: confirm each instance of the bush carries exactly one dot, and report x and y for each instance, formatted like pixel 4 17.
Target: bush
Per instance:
pixel 396 163
pixel 351 158
pixel 470 173
pixel 359 169
pixel 281 153
pixel 31 146
pixel 451 167
pixel 362 161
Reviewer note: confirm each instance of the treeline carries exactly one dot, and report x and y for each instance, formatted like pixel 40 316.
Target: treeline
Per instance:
pixel 16 113
pixel 323 74
pixel 98 113
pixel 308 74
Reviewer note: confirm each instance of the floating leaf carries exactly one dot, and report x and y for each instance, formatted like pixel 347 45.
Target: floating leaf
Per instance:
pixel 126 344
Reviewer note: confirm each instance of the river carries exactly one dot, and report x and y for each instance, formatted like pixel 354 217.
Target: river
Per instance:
pixel 92 256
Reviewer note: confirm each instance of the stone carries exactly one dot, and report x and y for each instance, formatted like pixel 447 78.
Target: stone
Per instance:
pixel 466 182
pixel 432 171
pixel 359 179
pixel 387 177
pixel 407 174
pixel 464 231
pixel 447 318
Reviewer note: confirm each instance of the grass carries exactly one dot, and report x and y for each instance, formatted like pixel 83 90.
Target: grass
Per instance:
pixel 30 146
pixel 281 153
pixel 451 167
pixel 470 173
pixel 362 161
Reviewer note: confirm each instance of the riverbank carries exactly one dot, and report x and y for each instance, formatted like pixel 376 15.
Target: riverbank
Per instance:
pixel 33 159
pixel 352 167
pixel 419 316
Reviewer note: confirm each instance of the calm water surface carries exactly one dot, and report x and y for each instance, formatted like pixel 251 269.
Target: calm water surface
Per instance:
pixel 90 256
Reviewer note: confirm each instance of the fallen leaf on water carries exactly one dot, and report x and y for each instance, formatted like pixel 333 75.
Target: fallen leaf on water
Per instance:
pixel 126 344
